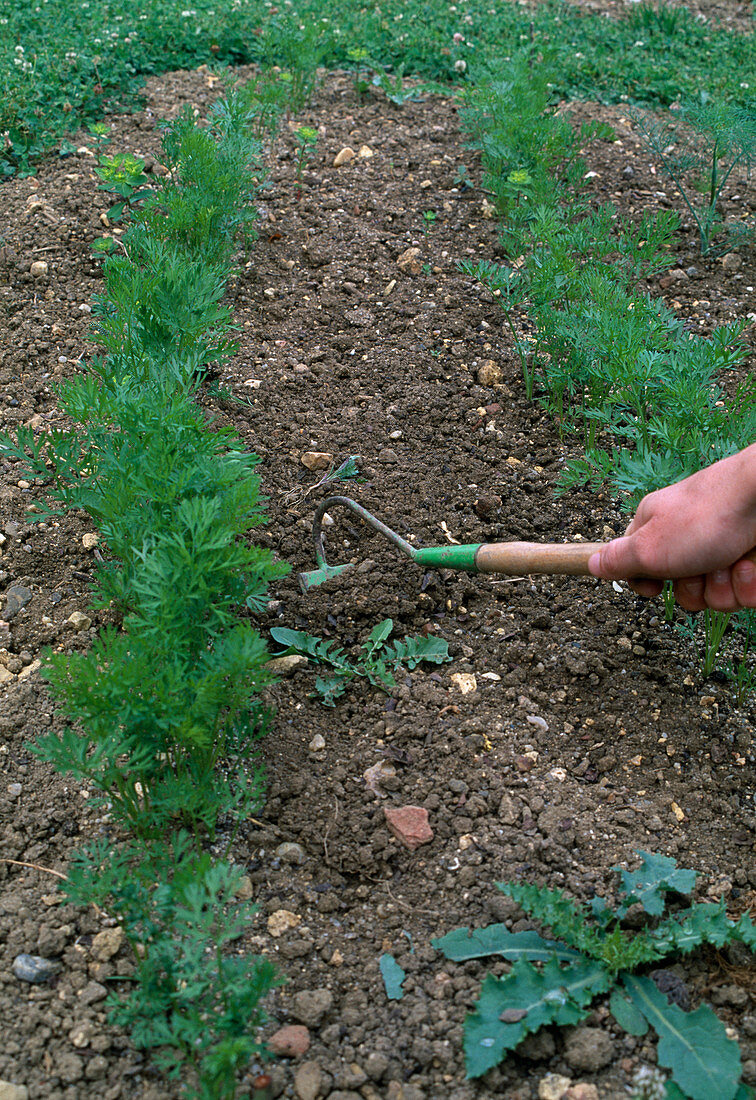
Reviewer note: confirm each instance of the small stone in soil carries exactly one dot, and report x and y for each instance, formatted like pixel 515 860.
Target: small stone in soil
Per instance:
pixel 536 720
pixel 464 682
pixel 291 1041
pixel 581 1090
pixel 388 457
pixel 307 1081
pixel 283 920
pixel 318 743
pixel 34 969
pixel 588 1049
pixel 288 852
pixel 409 261
pixel 16 597
pixel 311 1005
pixel 92 993
pixel 489 373
pixel 288 665
pixel 245 890
pixel 409 824
pixel 9 1091
pixel 553 1086
pixel 107 943
pixel 317 460
pixel 79 621
pixel 343 156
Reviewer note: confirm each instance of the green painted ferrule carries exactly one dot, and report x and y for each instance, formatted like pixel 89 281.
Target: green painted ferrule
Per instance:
pixel 448 557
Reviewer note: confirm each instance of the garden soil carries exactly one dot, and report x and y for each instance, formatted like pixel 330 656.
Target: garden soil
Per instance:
pixel 572 726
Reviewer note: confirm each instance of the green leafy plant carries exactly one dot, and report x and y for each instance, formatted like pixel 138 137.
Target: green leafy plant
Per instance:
pixel 741 667
pixel 715 624
pixel 554 981
pixel 360 59
pixel 79 63
pixel 296 47
pixel 346 471
pixel 306 139
pixel 195 1002
pixel 123 174
pixel 699 150
pixel 376 660
pixel 605 360
pixel 657 19
pixel 394 88
pixel 165 715
pixel 429 220
pixel 531 152
pixel 99 132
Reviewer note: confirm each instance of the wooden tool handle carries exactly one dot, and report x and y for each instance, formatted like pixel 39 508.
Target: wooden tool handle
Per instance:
pixel 536 557
pixel 513 558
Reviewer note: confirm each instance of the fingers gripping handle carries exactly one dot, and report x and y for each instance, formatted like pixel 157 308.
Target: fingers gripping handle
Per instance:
pixel 536 557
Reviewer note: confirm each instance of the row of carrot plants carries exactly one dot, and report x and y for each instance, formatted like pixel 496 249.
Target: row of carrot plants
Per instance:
pixel 164 711
pixel 613 365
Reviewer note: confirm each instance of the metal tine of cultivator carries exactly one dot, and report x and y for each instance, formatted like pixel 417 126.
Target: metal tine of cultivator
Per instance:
pixel 323 572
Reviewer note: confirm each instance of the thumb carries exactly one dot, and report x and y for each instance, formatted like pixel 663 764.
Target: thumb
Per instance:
pixel 617 560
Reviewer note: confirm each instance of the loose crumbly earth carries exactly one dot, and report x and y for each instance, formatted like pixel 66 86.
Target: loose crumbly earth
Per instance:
pixel 590 733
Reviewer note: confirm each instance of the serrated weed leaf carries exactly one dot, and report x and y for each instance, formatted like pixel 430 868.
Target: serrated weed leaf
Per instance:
pixel 330 688
pixel 297 641
pixel 745 931
pixel 704 922
pixel 412 651
pixel 525 1000
pixel 567 919
pixel 693 1045
pixel 656 876
pixel 463 944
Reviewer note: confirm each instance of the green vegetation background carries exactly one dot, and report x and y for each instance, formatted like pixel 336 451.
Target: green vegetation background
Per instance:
pixel 67 63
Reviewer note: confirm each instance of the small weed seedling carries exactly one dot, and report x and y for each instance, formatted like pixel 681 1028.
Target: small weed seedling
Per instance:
pixel 429 220
pixel 306 138
pixel 348 470
pixel 660 19
pixel 99 132
pixel 715 625
pixel 590 955
pixel 358 55
pixel 123 174
pixel 376 661
pixel 395 89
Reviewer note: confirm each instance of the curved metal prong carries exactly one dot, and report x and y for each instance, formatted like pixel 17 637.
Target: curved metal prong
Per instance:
pixel 323 570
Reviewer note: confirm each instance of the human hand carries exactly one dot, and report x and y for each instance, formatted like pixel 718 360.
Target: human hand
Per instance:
pixel 697 533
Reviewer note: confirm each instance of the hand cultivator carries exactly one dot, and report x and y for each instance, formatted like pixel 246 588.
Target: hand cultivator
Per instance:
pixel 510 558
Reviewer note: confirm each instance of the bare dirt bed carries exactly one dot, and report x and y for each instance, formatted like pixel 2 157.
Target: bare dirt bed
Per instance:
pixel 589 734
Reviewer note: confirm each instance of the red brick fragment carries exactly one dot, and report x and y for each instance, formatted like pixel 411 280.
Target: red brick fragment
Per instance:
pixel 291 1041
pixel 409 824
